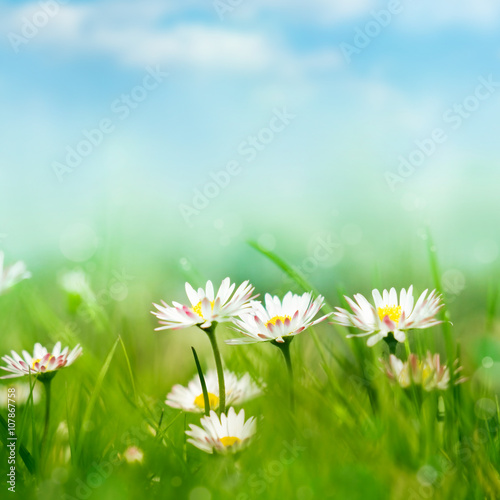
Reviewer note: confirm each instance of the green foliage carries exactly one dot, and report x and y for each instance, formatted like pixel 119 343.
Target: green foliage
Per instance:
pixel 353 434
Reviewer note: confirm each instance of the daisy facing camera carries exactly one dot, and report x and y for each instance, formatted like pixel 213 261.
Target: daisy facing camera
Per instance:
pixel 390 315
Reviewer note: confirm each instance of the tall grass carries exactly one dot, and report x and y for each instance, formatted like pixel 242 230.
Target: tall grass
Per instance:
pixel 353 434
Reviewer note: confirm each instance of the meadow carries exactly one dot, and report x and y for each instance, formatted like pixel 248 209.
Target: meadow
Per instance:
pixel 353 433
pixel 324 152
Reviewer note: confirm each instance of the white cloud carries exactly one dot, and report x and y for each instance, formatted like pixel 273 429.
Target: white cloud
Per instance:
pixel 342 10
pixel 133 34
pixel 158 32
pixel 427 15
pixel 420 14
pixel 187 44
pixel 140 35
pixel 324 11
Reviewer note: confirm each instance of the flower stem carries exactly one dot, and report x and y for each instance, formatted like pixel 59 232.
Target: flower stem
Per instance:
pixel 218 364
pixel 391 342
pixel 46 384
pixel 407 347
pixel 285 349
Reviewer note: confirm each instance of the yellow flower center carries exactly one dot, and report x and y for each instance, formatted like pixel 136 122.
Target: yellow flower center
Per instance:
pixel 35 361
pixel 276 318
pixel 229 440
pixel 394 313
pixel 197 308
pixel 421 375
pixel 427 373
pixel 213 401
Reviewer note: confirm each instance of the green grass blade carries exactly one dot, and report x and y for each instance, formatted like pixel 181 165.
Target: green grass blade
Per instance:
pixel 295 276
pixel 129 366
pixel 307 287
pixel 436 275
pixel 292 273
pixel 94 396
pixel 493 295
pixel 203 384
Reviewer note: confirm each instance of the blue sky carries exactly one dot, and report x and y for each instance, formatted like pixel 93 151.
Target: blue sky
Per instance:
pixel 226 79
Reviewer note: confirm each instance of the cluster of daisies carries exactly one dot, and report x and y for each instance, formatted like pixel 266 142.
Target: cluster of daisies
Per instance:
pixel 276 321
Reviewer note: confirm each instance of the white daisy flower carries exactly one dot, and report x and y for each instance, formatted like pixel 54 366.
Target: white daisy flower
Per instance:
pixel 278 319
pixel 190 398
pixel 41 362
pixel 11 275
pixel 206 307
pixel 389 314
pixel 428 373
pixel 228 435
